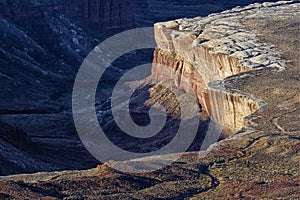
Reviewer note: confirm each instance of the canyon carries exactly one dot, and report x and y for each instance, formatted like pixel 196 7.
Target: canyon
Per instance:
pixel 244 80
pixel 43 43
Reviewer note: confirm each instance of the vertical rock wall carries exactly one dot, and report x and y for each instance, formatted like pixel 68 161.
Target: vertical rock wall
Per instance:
pixel 204 67
pixel 207 51
pixel 226 108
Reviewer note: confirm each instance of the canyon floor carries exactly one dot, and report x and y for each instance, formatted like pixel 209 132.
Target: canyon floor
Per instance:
pixel 259 162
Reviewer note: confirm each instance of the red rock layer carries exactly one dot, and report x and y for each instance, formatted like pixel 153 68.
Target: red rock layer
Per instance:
pixel 183 73
pixel 224 107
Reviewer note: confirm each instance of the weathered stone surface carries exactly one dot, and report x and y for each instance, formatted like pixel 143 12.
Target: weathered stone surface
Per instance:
pixel 227 108
pixel 219 40
pixel 217 47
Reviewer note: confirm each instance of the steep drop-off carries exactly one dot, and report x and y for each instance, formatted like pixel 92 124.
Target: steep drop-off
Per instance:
pixel 227 109
pixel 206 51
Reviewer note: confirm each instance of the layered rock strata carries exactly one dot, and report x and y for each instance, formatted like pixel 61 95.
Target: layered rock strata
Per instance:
pixel 205 51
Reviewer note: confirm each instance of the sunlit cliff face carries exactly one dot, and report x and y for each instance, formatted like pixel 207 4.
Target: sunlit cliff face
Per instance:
pixel 225 108
pixel 193 52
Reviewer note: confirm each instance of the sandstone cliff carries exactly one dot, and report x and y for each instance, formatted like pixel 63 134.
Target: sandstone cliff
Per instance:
pixel 208 50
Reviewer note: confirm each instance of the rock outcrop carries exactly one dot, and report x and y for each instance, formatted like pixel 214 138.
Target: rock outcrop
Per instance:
pixel 208 50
